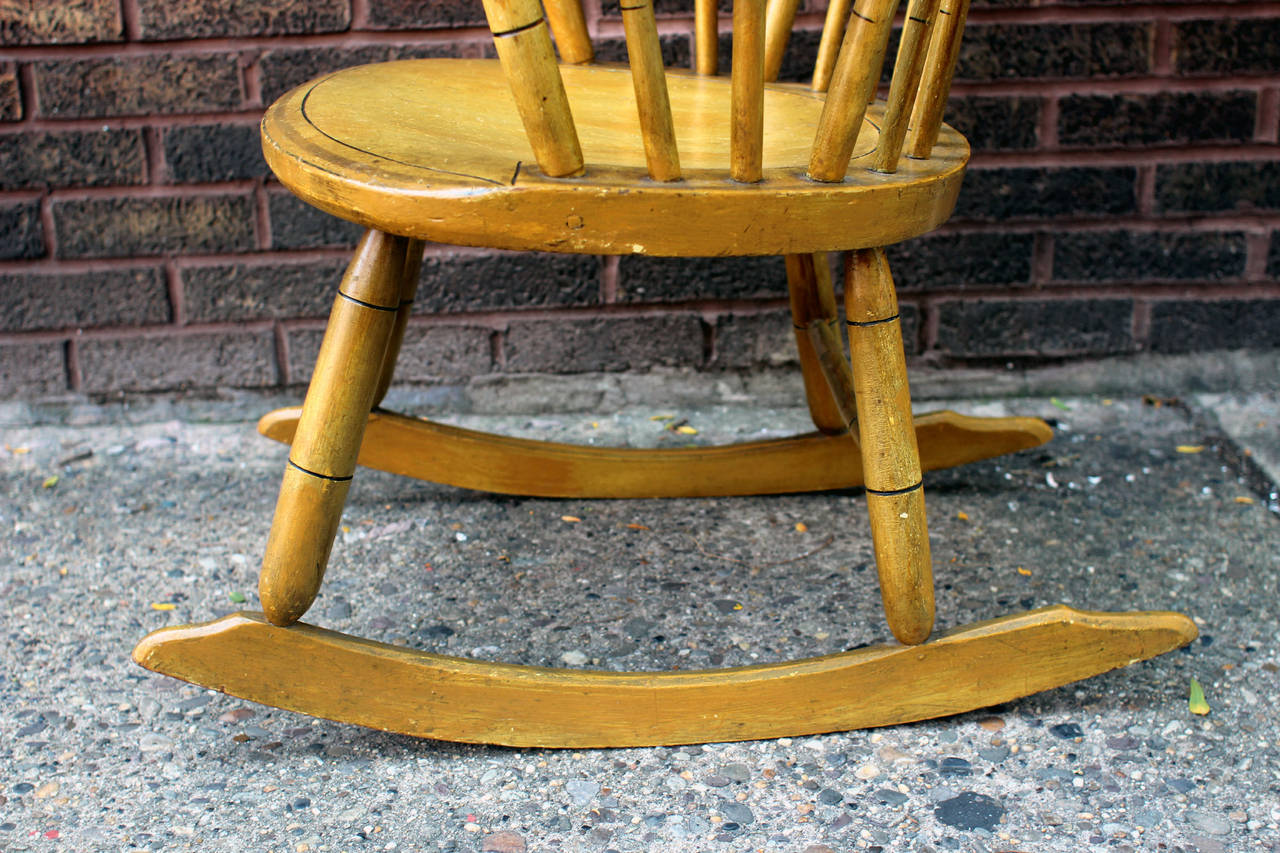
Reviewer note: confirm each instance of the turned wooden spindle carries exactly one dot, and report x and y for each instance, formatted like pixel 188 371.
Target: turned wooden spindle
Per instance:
pixel 829 44
pixel 408 289
pixel 746 135
pixel 650 82
pixel 890 457
pixel 706 37
pixel 569 26
pixel 935 82
pixel 780 15
pixel 856 74
pixel 523 42
pixel 828 382
pixel 322 460
pixel 906 82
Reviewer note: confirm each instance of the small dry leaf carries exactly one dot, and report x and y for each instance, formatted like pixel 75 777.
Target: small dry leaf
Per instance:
pixel 572 519
pixel 1026 573
pixel 1190 448
pixel 1243 499
pixel 963 516
pixel 686 430
pixel 801 527
pixel 637 527
pixel 162 605
pixel 662 417
pixel 50 482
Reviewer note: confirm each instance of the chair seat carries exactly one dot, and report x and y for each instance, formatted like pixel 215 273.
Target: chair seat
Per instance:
pixel 434 149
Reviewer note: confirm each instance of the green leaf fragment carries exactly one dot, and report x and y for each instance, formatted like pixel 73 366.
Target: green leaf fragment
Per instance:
pixel 238 597
pixel 1059 404
pixel 1197 704
pixel 50 482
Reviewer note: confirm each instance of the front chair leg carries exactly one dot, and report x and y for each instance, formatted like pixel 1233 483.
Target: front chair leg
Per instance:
pixel 890 458
pixel 323 457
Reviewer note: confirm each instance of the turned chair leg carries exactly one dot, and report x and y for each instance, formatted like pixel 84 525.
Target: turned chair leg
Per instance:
pixel 323 457
pixel 828 386
pixel 408 288
pixel 890 457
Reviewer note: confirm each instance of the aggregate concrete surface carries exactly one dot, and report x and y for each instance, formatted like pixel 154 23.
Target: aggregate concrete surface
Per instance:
pixel 116 527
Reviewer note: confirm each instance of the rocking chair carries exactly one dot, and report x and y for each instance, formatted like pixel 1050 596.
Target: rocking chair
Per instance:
pixel 491 153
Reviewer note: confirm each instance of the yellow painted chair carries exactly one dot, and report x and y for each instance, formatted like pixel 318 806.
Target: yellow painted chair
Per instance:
pixel 530 154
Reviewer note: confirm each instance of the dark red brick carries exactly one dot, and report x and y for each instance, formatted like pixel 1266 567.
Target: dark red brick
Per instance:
pixel 32 368
pixel 1194 325
pixel 603 344
pixel 428 354
pixel 60 21
pixel 423 14
pixel 768 339
pixel 645 279
pixel 21 231
pixel 183 19
pixel 284 69
pixel 453 283
pixel 10 95
pixel 75 158
pixel 996 123
pixel 1227 46
pixel 1003 329
pixel 1204 187
pixel 999 195
pixel 129 297
pixel 1021 51
pixel 244 359
pixel 676 50
pixel 124 227
pixel 206 153
pixel 1146 255
pixel 297 225
pixel 1164 118
pixel 238 292
pixel 961 260
pixel 138 85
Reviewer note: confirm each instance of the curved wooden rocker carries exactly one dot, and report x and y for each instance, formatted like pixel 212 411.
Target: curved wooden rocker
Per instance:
pixel 449 698
pixel 813 461
pixel 502 154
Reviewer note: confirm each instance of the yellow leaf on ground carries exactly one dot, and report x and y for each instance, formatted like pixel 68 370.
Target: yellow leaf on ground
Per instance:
pixel 50 482
pixel 963 516
pixel 686 430
pixel 662 417
pixel 801 527
pixel 1026 573
pixel 1243 499
pixel 1190 448
pixel 572 519
pixel 162 605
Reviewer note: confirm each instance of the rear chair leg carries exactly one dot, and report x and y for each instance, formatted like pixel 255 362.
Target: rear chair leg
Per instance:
pixel 323 457
pixel 828 385
pixel 890 458
pixel 408 288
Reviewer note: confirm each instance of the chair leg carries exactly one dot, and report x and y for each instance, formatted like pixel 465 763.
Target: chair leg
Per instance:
pixel 323 458
pixel 408 288
pixel 890 457
pixel 813 314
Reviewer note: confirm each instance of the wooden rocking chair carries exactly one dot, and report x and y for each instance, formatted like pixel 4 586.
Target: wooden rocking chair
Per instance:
pixel 441 150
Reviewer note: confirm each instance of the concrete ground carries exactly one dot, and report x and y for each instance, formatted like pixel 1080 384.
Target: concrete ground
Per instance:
pixel 119 519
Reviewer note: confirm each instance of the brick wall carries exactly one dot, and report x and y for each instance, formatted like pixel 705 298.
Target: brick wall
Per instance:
pixel 1124 197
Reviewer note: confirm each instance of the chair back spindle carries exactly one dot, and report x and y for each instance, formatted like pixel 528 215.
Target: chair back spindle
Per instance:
pixel 528 59
pixel 650 80
pixel 829 44
pixel 746 134
pixel 853 83
pixel 779 17
pixel 569 26
pixel 906 81
pixel 706 37
pixel 940 65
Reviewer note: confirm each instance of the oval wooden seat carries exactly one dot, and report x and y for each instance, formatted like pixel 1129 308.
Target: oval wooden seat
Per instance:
pixel 453 164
